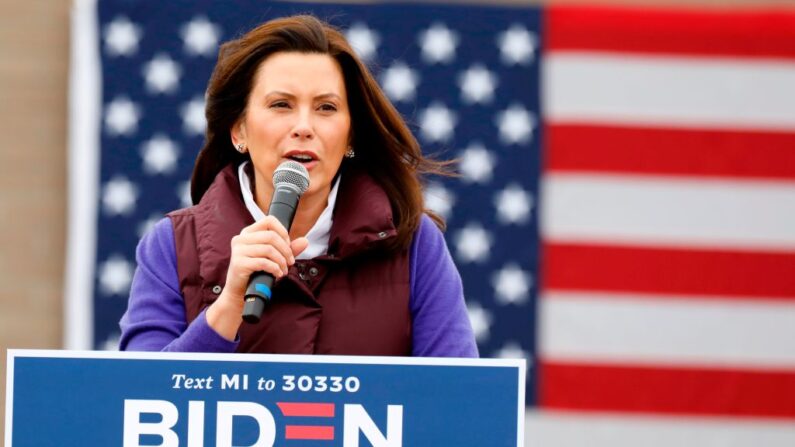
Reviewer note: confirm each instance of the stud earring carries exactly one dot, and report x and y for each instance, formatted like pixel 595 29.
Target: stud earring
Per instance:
pixel 241 148
pixel 350 153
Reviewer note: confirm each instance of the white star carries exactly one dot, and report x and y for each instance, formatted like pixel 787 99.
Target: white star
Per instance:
pixel 119 196
pixel 516 125
pixel 115 275
pixel 183 192
pixel 161 74
pixel 400 82
pixel 477 85
pixel 438 44
pixel 121 37
pixel 476 164
pixel 121 116
pixel 160 155
pixel 111 343
pixel 512 284
pixel 363 40
pixel 512 350
pixel 517 45
pixel 147 224
pixel 192 112
pixel 480 319
pixel 513 204
pixel 473 243
pixel 439 199
pixel 200 37
pixel 437 122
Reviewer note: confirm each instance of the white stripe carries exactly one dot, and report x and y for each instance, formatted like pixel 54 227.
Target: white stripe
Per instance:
pixel 668 210
pixel 613 327
pixel 557 429
pixel 519 365
pixel 9 409
pixel 677 91
pixel 85 84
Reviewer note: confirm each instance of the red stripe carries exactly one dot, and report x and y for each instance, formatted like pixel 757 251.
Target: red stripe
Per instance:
pixel 319 432
pixel 668 271
pixel 306 409
pixel 757 33
pixel 667 390
pixel 575 147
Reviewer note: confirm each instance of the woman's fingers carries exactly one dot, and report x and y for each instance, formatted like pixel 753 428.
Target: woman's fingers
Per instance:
pixel 298 246
pixel 268 223
pixel 251 265
pixel 266 251
pixel 266 238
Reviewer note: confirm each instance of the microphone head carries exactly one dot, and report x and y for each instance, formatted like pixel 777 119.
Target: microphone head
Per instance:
pixel 291 174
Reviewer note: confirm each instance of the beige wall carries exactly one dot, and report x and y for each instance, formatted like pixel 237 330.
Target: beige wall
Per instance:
pixel 34 52
pixel 34 44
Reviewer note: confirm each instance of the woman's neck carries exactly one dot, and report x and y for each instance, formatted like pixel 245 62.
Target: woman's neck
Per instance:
pixel 309 210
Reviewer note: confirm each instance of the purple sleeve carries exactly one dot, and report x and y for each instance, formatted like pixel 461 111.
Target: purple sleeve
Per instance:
pixel 440 323
pixel 155 318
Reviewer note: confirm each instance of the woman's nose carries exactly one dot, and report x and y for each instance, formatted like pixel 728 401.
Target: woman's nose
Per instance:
pixel 303 126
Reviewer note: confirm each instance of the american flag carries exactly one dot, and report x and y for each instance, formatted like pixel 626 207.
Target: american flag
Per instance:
pixel 624 218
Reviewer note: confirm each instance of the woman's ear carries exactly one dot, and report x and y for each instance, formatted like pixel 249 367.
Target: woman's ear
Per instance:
pixel 238 133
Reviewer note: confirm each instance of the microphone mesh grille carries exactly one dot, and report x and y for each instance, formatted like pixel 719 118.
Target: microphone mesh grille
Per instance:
pixel 293 173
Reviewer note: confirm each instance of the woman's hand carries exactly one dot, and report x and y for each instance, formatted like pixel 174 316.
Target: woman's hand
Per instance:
pixel 262 246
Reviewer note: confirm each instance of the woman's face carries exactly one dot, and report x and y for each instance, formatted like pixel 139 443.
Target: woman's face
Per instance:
pixel 297 110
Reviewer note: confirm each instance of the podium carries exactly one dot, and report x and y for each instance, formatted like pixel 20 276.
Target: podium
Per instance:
pixel 70 398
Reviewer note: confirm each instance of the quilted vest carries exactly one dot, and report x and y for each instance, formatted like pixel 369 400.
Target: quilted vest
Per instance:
pixel 352 301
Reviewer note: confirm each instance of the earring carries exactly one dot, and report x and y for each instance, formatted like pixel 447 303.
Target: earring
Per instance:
pixel 350 153
pixel 241 148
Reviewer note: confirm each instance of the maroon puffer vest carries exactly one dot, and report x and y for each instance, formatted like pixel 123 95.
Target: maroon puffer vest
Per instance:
pixel 354 300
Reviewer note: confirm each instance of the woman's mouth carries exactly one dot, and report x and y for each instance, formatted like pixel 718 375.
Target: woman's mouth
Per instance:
pixel 301 158
pixel 305 158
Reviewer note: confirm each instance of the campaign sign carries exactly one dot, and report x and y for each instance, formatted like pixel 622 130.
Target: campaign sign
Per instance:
pixel 62 398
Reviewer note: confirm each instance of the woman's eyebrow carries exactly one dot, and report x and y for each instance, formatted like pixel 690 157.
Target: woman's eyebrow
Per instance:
pixel 329 96
pixel 279 93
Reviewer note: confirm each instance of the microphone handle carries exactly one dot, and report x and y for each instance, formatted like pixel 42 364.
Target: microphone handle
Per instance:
pixel 260 284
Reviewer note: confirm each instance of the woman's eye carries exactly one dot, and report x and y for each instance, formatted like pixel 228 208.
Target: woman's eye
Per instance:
pixel 280 104
pixel 328 107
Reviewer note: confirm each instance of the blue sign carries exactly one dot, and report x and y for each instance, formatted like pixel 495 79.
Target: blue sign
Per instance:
pixel 68 398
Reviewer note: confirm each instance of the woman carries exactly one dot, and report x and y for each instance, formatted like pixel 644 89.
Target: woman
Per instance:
pixel 362 270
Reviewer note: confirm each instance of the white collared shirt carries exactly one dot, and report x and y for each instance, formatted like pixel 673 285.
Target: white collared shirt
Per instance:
pixel 318 235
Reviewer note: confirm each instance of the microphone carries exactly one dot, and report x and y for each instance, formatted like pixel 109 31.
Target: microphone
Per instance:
pixel 290 181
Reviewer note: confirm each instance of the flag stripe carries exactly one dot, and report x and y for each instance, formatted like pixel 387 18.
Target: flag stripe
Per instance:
pixel 758 33
pixel 668 270
pixel 750 215
pixel 670 151
pixel 571 429
pixel 318 432
pixel 669 91
pixel 662 329
pixel 667 215
pixel 629 388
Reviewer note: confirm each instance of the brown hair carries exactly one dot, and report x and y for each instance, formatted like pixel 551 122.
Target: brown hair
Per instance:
pixel 385 147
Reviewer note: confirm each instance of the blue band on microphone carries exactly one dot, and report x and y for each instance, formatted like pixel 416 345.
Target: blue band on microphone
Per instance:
pixel 263 289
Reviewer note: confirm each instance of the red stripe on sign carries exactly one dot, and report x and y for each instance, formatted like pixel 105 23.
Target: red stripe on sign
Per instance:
pixel 669 390
pixel 319 432
pixel 306 409
pixel 574 147
pixel 769 33
pixel 668 271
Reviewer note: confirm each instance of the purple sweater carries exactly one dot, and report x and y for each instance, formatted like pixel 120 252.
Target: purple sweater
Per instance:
pixel 155 318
